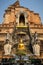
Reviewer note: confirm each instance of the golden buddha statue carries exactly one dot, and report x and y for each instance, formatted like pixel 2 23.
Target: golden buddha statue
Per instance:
pixel 21 45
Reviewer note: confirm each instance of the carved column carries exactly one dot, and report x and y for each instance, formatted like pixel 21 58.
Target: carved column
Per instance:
pixel 26 20
pixel 17 19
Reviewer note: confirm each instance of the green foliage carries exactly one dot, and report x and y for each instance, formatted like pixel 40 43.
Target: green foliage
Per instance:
pixel 21 52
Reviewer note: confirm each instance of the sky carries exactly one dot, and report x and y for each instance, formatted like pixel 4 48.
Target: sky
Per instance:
pixel 34 5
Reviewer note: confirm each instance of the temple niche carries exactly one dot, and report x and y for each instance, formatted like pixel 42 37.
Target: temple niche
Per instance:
pixel 21 19
pixel 21 23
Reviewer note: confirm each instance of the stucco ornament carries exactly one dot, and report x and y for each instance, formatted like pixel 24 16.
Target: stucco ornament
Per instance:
pixel 36 49
pixel 7 49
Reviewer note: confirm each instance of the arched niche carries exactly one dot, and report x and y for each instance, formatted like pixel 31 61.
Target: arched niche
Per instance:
pixel 21 17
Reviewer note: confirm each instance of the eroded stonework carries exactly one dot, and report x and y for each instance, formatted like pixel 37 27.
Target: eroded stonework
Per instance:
pixel 20 20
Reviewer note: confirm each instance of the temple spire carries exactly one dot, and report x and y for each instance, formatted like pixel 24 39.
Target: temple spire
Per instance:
pixel 16 3
pixel 17 0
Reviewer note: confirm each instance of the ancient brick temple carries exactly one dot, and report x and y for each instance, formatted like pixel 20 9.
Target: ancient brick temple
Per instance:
pixel 20 22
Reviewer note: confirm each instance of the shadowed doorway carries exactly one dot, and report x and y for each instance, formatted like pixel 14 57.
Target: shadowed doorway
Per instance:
pixel 22 19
